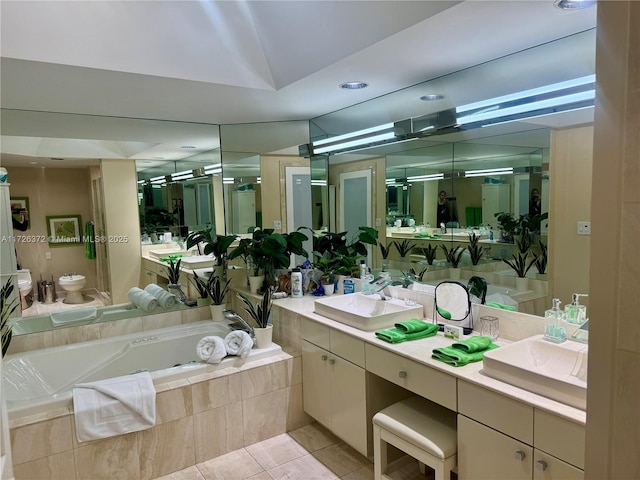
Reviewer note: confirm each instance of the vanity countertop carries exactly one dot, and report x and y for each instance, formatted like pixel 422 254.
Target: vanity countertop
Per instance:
pixel 420 351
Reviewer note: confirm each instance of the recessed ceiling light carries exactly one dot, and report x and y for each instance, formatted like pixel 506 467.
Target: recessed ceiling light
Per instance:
pixel 187 146
pixel 354 85
pixel 431 97
pixel 573 4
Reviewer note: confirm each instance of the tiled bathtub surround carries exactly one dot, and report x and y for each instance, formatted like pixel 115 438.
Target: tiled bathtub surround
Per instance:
pixel 197 419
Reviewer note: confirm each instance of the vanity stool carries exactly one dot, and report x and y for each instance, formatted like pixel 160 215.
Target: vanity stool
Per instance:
pixel 420 428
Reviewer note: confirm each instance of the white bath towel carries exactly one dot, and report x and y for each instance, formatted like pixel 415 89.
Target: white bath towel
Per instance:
pixel 142 299
pixel 238 343
pixel 114 406
pixel 165 299
pixel 211 349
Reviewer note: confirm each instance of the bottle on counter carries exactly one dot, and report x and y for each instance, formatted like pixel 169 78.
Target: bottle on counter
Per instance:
pixel 296 283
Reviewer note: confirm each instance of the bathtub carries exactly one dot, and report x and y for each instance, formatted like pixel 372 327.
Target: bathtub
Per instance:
pixel 42 380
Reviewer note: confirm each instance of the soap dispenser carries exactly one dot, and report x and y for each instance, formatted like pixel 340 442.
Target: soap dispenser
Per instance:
pixel 554 323
pixel 574 312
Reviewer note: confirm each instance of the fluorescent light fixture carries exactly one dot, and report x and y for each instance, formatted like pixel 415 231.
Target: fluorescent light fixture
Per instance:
pixel 182 175
pixel 319 183
pixel 426 178
pixel 259 180
pixel 489 171
pixel 216 168
pixel 562 96
pixel 227 181
pixel 354 139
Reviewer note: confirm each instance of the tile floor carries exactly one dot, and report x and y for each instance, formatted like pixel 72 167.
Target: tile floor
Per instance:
pixel 92 299
pixel 309 453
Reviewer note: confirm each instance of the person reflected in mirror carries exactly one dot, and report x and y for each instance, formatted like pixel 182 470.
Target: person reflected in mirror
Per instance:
pixel 444 213
pixel 535 203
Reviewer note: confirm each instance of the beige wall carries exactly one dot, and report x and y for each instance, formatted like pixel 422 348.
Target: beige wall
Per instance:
pixel 123 226
pixel 53 191
pixel 570 201
pixel 613 423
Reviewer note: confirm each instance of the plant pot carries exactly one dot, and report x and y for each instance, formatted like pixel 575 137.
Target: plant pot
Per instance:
pixel 454 273
pixel 264 336
pixel 216 312
pixel 522 283
pixel 203 302
pixel 328 289
pixel 255 283
pixel 542 276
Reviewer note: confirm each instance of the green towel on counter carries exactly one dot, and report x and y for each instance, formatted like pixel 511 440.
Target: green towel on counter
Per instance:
pixel 501 305
pixel 464 352
pixel 413 329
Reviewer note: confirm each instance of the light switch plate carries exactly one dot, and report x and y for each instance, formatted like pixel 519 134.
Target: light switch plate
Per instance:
pixel 378 222
pixel 584 228
pixel 277 225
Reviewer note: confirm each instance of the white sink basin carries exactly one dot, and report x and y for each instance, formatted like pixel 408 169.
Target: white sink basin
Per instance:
pixel 556 371
pixel 366 312
pixel 197 261
pixel 165 252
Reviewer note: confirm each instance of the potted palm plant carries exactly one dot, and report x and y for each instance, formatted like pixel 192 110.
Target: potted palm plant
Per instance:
pixel 453 256
pixel 429 252
pixel 261 314
pixel 475 250
pixel 520 266
pixel 7 307
pixel 200 285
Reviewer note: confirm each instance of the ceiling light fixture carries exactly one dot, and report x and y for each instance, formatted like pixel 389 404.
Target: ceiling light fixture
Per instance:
pixel 354 85
pixel 565 96
pixel 431 97
pixel 573 4
pixel 426 178
pixel 489 171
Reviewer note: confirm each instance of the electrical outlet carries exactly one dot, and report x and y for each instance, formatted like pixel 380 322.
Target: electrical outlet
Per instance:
pixel 584 228
pixel 47 255
pixel 277 225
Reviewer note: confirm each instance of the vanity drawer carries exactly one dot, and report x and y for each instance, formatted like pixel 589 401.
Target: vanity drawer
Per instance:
pixel 316 333
pixel 347 347
pixel 559 437
pixel 496 411
pixel 422 380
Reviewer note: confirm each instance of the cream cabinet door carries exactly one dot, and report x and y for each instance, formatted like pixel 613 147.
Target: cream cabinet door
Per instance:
pixel 349 403
pixel 486 454
pixel 546 467
pixel 316 386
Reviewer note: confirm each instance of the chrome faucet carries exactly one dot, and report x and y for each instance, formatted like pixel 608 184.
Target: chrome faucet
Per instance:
pixel 181 296
pixel 443 228
pixel 376 286
pixel 240 323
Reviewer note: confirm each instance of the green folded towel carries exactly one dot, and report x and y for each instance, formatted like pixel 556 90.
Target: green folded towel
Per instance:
pixel 397 335
pixel 464 352
pixel 501 305
pixel 473 344
pixel 443 313
pixel 413 326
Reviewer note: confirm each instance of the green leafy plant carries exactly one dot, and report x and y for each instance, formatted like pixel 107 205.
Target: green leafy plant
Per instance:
pixel 218 245
pixel 509 225
pixel 475 250
pixel 173 271
pixel 261 311
pixel 453 254
pixel 404 247
pixel 519 263
pixel 326 264
pixel 540 260
pixel 384 251
pixel 524 243
pixel 201 286
pixel 216 290
pixel 429 252
pixel 341 252
pixel 6 310
pixel 155 219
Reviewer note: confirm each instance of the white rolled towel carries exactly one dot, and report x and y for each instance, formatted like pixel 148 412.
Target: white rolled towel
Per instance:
pixel 211 349
pixel 165 299
pixel 238 343
pixel 142 299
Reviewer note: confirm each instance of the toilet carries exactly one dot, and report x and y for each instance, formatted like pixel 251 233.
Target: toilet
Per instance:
pixel 72 284
pixel 25 287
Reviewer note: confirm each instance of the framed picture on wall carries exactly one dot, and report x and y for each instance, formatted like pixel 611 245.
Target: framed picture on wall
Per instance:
pixel 63 230
pixel 20 213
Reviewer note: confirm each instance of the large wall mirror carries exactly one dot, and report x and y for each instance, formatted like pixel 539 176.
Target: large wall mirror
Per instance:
pixel 430 153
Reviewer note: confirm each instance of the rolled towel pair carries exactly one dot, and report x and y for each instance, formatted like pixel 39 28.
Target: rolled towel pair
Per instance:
pixel 238 343
pixel 165 299
pixel 142 299
pixel 211 349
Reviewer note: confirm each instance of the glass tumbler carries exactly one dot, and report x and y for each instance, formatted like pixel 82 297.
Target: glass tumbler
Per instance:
pixel 490 327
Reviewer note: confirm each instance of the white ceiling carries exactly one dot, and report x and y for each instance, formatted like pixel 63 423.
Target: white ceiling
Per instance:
pixel 232 62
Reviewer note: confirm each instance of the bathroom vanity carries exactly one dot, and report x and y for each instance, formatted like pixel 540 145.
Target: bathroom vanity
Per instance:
pixel 504 432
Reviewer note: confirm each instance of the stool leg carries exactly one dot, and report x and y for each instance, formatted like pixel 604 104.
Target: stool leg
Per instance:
pixel 379 454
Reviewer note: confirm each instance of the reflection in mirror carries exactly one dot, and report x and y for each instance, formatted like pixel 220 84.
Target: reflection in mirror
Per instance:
pixel 321 215
pixel 242 192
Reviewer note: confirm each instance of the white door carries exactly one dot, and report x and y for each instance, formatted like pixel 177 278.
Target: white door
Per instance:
pixel 355 203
